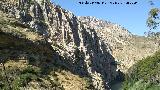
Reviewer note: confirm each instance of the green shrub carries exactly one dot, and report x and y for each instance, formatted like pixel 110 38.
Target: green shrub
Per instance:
pixel 27 75
pixel 26 78
pixel 146 73
pixel 32 70
pixel 89 84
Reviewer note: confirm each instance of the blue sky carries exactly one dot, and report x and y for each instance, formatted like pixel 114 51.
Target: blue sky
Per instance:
pixel 132 17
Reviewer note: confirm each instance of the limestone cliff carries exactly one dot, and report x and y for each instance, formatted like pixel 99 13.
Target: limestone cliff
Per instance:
pixel 78 46
pixel 50 38
pixel 126 48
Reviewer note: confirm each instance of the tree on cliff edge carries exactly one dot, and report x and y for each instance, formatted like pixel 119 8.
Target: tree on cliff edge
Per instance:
pixel 153 20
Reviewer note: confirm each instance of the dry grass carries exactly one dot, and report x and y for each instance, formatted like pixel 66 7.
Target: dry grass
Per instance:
pixel 71 81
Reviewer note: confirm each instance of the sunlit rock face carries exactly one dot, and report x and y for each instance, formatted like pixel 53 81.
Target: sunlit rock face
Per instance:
pixel 84 52
pixel 126 48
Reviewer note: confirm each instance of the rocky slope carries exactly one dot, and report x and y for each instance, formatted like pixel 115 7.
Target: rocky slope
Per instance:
pixel 126 48
pixel 49 47
pixel 51 35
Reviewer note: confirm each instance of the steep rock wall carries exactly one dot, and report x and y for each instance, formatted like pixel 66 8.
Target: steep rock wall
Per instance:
pixel 85 54
pixel 126 47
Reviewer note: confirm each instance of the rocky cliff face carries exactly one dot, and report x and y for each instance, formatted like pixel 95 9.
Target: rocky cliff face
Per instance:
pixel 126 48
pixel 85 46
pixel 111 33
pixel 83 52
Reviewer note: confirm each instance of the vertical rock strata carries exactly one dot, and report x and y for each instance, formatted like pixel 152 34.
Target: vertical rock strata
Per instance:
pixel 84 52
